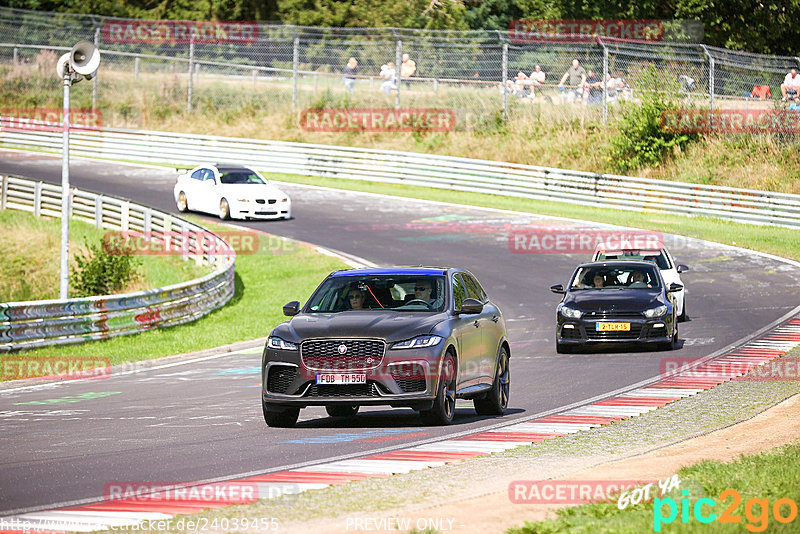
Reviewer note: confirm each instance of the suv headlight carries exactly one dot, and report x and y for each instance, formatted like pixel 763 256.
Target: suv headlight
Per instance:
pixel 658 311
pixel 418 342
pixel 570 313
pixel 278 343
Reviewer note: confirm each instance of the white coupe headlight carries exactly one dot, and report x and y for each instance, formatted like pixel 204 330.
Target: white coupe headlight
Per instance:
pixel 280 344
pixel 570 313
pixel 418 342
pixel 658 311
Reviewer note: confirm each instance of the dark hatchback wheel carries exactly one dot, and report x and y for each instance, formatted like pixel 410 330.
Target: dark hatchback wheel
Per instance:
pixel 279 416
pixel 444 407
pixel 496 401
pixel 341 411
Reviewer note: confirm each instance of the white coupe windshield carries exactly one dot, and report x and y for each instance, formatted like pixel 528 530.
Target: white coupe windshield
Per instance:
pixel 240 176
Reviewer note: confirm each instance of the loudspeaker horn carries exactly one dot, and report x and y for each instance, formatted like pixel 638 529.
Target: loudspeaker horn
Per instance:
pixel 62 67
pixel 84 58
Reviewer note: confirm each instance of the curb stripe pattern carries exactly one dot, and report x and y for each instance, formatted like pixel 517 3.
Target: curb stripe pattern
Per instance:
pixel 128 512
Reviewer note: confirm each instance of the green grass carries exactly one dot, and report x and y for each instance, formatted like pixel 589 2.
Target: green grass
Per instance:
pixel 771 475
pixel 265 281
pixel 29 269
pixel 780 241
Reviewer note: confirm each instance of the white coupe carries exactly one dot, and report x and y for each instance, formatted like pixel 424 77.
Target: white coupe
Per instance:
pixel 231 191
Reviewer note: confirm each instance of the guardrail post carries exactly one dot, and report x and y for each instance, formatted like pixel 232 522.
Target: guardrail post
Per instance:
pixel 191 75
pixel 605 80
pixel 94 80
pixel 295 68
pixel 136 68
pixel 3 192
pixel 37 199
pixel 124 215
pixel 398 71
pixel 505 78
pixel 98 211
pixel 148 215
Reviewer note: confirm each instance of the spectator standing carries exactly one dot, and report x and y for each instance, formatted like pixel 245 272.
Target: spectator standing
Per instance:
pixel 350 71
pixel 576 75
pixel 611 89
pixel 408 69
pixel 594 84
pixel 388 72
pixel 791 85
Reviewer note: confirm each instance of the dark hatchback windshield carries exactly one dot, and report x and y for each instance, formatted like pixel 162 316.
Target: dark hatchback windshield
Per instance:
pixel 616 277
pixel 402 293
pixel 239 176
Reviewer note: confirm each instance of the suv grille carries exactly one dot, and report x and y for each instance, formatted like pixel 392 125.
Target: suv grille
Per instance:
pixel 325 355
pixel 280 378
pixel 343 390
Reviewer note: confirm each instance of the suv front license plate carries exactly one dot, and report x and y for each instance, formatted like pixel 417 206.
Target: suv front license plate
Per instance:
pixel 347 378
pixel 613 327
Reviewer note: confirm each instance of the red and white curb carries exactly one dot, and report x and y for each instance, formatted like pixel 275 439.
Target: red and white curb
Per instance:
pixel 118 513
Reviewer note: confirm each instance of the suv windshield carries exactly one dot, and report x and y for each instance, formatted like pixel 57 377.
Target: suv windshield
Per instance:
pixel 659 257
pixel 239 176
pixel 617 277
pixel 412 293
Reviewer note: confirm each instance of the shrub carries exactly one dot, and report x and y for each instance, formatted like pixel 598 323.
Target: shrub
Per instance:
pixel 641 142
pixel 102 273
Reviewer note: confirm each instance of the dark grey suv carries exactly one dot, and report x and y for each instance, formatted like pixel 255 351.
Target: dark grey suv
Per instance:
pixel 414 337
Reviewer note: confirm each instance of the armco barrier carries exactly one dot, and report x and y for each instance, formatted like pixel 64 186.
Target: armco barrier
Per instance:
pixel 53 322
pixel 445 172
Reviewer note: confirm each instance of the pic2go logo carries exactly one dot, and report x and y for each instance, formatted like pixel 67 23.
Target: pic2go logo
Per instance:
pixel 783 511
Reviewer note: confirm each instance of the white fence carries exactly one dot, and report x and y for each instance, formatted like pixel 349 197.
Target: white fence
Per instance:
pixel 53 322
pixel 445 172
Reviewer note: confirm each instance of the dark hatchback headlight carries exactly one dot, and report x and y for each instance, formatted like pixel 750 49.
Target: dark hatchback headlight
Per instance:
pixel 418 342
pixel 570 313
pixel 274 342
pixel 658 311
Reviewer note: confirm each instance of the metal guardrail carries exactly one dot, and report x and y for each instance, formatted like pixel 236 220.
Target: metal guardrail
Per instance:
pixel 444 172
pixel 34 324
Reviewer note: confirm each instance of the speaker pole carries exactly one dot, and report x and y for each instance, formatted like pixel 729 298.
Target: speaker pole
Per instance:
pixel 65 196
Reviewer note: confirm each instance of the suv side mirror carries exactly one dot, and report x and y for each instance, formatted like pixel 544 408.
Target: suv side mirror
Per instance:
pixel 673 287
pixel 471 306
pixel 682 268
pixel 292 308
pixel 558 288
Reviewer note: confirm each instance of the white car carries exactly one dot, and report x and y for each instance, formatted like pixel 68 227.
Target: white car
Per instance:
pixel 670 271
pixel 231 191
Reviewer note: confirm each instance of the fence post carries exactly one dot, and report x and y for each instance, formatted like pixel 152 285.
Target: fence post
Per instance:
pixel 3 191
pixel 255 73
pixel 94 80
pixel 16 56
pixel 98 211
pixel 504 77
pixel 191 76
pixel 605 80
pixel 295 68
pixel 397 71
pixel 136 68
pixel 710 76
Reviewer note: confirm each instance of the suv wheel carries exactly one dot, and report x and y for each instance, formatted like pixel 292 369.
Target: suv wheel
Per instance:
pixel 279 416
pixel 496 401
pixel 444 406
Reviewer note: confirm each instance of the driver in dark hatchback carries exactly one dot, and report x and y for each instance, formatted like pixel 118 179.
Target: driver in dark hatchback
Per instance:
pixel 422 338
